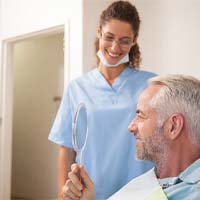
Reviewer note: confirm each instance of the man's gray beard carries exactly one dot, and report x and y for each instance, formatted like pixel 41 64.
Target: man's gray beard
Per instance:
pixel 154 148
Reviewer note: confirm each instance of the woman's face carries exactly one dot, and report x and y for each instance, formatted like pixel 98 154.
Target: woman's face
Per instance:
pixel 115 40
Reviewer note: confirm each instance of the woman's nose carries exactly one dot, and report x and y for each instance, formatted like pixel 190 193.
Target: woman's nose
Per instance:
pixel 115 45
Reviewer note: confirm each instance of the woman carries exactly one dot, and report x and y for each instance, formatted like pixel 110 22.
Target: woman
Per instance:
pixel 110 93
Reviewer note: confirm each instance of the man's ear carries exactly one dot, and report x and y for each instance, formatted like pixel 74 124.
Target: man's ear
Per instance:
pixel 176 124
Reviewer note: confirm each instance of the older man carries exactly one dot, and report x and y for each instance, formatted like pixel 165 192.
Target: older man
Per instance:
pixel 167 132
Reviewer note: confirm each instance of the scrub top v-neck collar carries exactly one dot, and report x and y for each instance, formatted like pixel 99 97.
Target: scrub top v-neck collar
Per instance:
pixel 118 82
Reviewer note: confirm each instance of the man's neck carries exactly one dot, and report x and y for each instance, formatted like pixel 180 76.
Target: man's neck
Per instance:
pixel 174 165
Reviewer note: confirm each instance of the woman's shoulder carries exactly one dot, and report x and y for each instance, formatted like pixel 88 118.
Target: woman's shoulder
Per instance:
pixel 143 73
pixel 85 78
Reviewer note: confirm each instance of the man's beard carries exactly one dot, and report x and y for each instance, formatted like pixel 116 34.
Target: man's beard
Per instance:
pixel 153 148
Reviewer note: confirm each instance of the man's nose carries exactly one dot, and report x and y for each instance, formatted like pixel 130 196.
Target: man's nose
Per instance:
pixel 132 127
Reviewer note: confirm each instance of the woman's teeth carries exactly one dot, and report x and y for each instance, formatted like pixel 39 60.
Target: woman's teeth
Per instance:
pixel 113 55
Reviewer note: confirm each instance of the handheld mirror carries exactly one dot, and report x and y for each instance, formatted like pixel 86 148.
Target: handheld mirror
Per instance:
pixel 79 131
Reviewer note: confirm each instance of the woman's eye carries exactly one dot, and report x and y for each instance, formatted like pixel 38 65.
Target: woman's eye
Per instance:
pixel 110 38
pixel 125 42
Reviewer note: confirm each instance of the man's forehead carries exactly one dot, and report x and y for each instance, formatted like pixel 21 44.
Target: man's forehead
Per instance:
pixel 148 94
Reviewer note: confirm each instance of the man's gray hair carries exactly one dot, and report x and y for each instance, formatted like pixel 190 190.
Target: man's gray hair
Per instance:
pixel 181 94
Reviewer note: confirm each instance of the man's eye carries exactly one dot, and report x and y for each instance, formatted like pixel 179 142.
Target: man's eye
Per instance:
pixel 140 116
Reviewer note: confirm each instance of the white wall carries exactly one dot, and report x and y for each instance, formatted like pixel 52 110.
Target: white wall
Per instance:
pixel 0 64
pixel 169 36
pixel 0 69
pixel 38 78
pixel 26 16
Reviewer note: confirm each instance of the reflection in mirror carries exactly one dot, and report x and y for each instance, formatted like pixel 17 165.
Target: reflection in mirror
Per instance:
pixel 79 131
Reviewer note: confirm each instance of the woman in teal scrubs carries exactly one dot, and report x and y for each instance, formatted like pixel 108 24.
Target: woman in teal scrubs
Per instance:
pixel 110 93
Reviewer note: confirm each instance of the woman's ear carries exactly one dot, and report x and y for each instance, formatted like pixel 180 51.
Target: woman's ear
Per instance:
pixel 176 124
pixel 134 41
pixel 98 32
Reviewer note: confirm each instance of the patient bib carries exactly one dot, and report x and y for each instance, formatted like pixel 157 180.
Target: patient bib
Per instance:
pixel 144 187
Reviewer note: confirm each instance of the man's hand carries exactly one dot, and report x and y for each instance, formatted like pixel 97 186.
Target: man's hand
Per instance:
pixel 79 186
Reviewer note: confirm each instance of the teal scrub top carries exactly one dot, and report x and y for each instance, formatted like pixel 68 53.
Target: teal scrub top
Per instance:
pixel 109 154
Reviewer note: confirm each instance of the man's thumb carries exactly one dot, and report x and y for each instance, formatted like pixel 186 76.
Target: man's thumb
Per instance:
pixel 86 179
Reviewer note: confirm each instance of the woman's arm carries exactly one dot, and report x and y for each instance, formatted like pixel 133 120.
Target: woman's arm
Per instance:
pixel 66 158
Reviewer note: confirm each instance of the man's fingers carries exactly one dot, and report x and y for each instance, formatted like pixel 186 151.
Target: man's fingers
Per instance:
pixel 70 192
pixel 73 188
pixel 79 185
pixel 69 198
pixel 86 179
pixel 75 167
pixel 75 178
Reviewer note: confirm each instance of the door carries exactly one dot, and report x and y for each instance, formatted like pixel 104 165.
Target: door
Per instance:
pixel 17 86
pixel 38 71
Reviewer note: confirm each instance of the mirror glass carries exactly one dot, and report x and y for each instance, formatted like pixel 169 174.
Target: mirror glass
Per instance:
pixel 79 131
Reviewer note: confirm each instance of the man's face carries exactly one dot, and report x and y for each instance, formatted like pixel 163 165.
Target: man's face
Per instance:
pixel 150 139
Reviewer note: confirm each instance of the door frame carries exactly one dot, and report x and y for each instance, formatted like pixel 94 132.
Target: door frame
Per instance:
pixel 7 98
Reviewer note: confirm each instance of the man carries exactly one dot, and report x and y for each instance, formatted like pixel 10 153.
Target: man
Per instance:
pixel 167 132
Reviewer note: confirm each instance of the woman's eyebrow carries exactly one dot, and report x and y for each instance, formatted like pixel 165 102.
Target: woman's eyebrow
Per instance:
pixel 124 37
